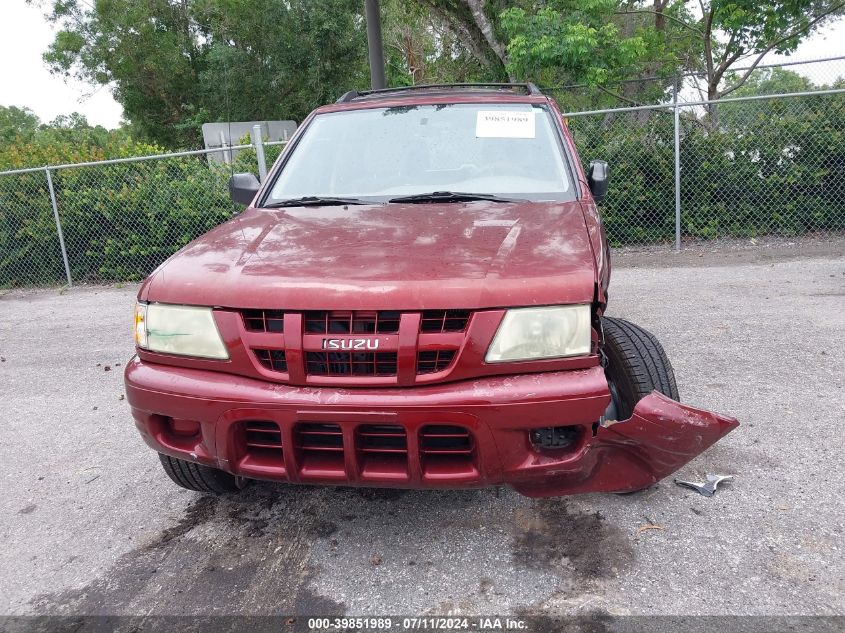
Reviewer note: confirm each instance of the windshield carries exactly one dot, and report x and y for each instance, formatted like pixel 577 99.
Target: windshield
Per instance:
pixel 381 153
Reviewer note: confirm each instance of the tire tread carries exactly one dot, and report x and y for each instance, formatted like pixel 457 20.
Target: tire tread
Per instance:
pixel 197 477
pixel 639 356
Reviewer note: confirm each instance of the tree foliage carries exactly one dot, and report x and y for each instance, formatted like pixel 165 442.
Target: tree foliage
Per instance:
pixel 598 43
pixel 16 122
pixel 175 65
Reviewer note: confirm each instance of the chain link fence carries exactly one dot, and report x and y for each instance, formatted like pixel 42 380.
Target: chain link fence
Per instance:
pixel 738 168
pixel 680 173
pixel 112 220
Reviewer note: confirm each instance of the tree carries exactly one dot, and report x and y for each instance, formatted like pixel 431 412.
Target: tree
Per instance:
pixel 598 43
pixel 476 23
pixel 729 32
pixel 174 65
pixel 16 122
pixel 421 46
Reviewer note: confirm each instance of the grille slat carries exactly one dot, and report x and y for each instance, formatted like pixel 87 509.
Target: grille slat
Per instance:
pixel 263 439
pixel 320 437
pixel 351 322
pixel 432 361
pixel 447 450
pixel 351 363
pixel 445 440
pixel 378 438
pixel 444 320
pixel 272 359
pixel 264 320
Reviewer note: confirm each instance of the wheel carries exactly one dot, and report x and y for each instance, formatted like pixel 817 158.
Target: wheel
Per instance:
pixel 200 478
pixel 635 364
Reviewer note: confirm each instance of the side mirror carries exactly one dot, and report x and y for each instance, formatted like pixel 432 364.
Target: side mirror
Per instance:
pixel 243 187
pixel 597 179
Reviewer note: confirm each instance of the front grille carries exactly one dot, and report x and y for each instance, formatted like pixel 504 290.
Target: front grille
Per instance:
pixel 444 320
pixel 272 359
pixel 263 439
pixel 351 322
pixel 434 361
pixel 373 347
pixel 264 320
pixel 350 363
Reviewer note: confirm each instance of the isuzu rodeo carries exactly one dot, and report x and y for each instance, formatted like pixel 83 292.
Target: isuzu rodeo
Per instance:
pixel 414 297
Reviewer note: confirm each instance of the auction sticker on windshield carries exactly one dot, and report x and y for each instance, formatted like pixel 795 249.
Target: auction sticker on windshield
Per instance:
pixel 504 124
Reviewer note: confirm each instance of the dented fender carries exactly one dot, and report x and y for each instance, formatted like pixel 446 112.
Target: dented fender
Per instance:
pixel 660 437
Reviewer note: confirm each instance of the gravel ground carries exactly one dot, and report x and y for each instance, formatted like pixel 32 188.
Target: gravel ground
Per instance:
pixel 91 525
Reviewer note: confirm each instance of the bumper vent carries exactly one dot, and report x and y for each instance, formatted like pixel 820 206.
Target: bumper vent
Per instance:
pixel 263 439
pixel 383 451
pixel 320 449
pixel 386 453
pixel 446 450
pixel 382 438
pixel 320 437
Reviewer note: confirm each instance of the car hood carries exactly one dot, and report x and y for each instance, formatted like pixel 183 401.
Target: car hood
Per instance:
pixel 394 256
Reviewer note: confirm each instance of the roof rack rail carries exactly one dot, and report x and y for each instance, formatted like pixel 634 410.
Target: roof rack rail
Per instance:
pixel 528 87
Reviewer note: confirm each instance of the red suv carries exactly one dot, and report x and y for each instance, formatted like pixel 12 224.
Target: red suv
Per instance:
pixel 413 298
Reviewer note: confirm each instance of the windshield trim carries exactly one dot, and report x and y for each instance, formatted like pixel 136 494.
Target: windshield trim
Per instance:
pixel 270 183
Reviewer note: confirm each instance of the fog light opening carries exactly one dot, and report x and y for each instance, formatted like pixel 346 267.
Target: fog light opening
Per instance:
pixel 553 438
pixel 183 428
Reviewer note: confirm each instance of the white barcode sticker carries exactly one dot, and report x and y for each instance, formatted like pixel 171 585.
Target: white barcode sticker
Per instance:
pixel 504 124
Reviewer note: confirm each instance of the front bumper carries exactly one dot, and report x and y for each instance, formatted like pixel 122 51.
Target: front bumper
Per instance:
pixel 497 414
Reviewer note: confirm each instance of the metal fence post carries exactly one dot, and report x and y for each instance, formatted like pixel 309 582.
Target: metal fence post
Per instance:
pixel 259 152
pixel 677 111
pixel 58 225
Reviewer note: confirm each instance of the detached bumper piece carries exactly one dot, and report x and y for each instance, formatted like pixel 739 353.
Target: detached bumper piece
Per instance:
pixel 535 432
pixel 659 438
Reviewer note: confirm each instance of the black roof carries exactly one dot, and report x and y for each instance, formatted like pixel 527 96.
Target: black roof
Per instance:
pixel 526 88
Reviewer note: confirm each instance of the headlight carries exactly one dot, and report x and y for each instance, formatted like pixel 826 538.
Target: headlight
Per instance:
pixel 182 330
pixel 536 333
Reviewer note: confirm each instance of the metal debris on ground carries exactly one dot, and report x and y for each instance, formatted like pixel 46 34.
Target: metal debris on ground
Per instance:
pixel 645 528
pixel 706 489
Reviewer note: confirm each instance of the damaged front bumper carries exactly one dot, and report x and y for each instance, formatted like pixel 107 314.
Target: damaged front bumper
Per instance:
pixel 466 434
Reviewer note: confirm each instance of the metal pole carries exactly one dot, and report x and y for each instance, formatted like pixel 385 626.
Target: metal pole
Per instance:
pixel 677 170
pixel 259 152
pixel 374 42
pixel 58 224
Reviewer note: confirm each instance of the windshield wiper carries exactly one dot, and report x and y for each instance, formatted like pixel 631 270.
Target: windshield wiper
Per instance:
pixel 315 201
pixel 452 196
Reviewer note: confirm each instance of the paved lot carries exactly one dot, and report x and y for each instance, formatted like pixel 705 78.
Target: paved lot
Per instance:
pixel 90 524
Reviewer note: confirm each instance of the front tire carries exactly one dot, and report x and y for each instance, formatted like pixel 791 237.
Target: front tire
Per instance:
pixel 636 365
pixel 200 478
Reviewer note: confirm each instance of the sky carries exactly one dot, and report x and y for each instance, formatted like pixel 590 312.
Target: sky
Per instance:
pixel 25 81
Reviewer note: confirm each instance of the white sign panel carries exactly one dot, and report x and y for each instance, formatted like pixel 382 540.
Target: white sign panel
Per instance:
pixel 504 124
pixel 224 134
